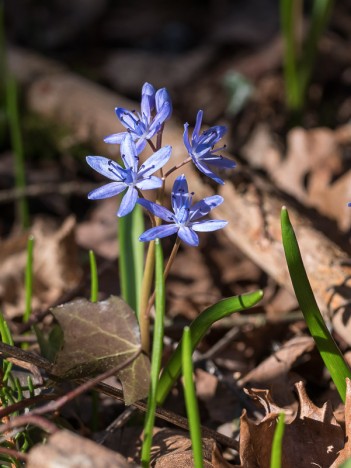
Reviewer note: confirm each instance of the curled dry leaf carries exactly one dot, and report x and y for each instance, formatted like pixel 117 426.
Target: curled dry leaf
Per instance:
pixel 311 169
pixel 312 425
pixel 345 453
pixel 99 336
pixel 172 448
pixel 55 266
pixel 274 371
pixel 69 450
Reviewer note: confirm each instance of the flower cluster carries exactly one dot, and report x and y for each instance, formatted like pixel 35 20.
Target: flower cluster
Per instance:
pixel 185 220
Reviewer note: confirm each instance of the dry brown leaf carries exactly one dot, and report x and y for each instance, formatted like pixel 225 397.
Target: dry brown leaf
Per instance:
pixel 55 266
pixel 172 449
pixel 345 453
pixel 99 233
pixel 279 362
pixel 65 449
pixel 311 168
pixel 311 425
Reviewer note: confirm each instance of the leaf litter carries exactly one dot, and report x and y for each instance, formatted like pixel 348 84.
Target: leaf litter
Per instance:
pixel 273 355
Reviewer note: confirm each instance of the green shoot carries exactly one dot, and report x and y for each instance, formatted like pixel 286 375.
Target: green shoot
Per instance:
pixel 29 280
pixel 131 256
pixel 190 399
pixel 277 445
pixel 17 146
pixel 300 58
pixel 94 282
pixel 328 349
pixel 6 338
pixel 157 347
pixel 198 329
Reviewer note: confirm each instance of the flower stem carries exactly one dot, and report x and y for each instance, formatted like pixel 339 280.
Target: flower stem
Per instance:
pixel 178 166
pixel 165 273
pixel 144 318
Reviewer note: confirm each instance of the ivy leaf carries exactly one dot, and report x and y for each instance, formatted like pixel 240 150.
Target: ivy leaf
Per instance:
pixel 99 336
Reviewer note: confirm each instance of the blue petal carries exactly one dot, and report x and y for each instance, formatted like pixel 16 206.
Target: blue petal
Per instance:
pixel 198 123
pixel 106 191
pixel 115 138
pixel 129 153
pixel 159 232
pixel 209 225
pixel 203 207
pixel 163 114
pixel 189 236
pixel 147 99
pixel 156 210
pixel 128 119
pixel 180 194
pixel 150 183
pixel 220 162
pixel 205 170
pixel 213 134
pixel 186 139
pixel 163 97
pixel 155 162
pixel 106 167
pixel 140 145
pixel 128 202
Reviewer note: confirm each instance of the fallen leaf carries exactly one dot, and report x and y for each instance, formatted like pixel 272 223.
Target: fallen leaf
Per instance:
pixel 281 361
pixel 55 266
pixel 345 453
pixel 99 336
pixel 172 449
pixel 69 450
pixel 311 425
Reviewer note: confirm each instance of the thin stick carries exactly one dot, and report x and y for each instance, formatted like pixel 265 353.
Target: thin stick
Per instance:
pixel 178 166
pixel 14 453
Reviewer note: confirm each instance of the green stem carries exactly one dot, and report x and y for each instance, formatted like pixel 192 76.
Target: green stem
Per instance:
pixel 277 444
pixel 199 328
pixel 94 282
pixel 144 318
pixel 17 145
pixel 157 348
pixel 131 256
pixel 192 409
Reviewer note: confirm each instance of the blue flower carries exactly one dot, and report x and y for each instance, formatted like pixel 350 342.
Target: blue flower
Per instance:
pixel 131 177
pixel 143 126
pixel 184 220
pixel 201 148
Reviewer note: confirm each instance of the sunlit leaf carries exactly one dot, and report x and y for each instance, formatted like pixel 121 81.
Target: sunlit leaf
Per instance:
pixel 99 336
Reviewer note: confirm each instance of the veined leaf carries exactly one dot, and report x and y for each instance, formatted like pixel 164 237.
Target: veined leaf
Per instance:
pixel 99 336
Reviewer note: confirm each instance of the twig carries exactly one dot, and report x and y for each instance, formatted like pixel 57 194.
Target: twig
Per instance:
pixel 179 421
pixel 34 416
pixel 14 453
pixel 36 190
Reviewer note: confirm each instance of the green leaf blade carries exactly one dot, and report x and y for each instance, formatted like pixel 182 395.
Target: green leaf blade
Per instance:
pixel 326 345
pixel 198 329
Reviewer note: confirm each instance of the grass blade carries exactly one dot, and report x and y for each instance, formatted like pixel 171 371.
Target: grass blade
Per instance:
pixel 328 349
pixel 192 409
pixel 290 18
pixel 94 282
pixel 17 146
pixel 131 256
pixel 198 329
pixel 277 445
pixel 157 347
pixel 29 280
